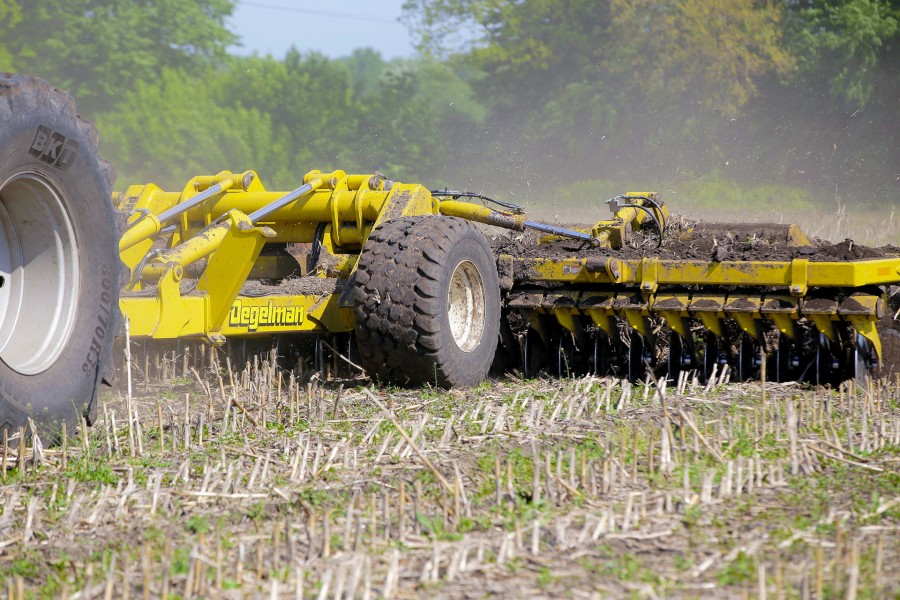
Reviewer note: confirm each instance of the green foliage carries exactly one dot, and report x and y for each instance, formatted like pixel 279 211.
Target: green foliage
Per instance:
pixel 169 130
pixel 739 571
pixel 434 527
pixel 181 561
pixel 285 117
pixel 623 566
pixel 25 567
pixel 545 576
pixel 683 562
pixel 10 15
pixel 96 49
pixel 675 89
pixel 844 41
pixel 706 53
pixel 198 524
pixel 257 511
pixel 87 471
pixel 713 192
pixel 708 192
pixel 314 497
pixel 518 98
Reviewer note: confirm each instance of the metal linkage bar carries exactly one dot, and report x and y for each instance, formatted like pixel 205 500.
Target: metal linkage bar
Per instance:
pixel 483 214
pixel 150 225
pixel 552 229
pixel 272 207
pixel 180 209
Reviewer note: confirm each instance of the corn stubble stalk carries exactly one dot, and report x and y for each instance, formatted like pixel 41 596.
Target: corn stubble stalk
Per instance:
pixel 320 496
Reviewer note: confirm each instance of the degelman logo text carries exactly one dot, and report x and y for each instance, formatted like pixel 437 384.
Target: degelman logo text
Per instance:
pixel 254 317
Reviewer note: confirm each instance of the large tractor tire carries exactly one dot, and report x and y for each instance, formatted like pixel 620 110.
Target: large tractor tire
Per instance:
pixel 59 266
pixel 427 302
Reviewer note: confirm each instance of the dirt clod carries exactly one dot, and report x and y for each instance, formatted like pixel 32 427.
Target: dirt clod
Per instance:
pixel 702 241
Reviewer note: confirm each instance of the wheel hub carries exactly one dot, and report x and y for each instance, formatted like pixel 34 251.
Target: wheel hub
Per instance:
pixel 466 304
pixel 38 274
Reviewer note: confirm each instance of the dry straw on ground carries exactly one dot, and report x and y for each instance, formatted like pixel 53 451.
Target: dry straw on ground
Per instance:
pixel 244 483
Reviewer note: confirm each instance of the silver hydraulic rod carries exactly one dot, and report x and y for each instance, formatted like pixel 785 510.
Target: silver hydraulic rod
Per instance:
pixel 149 225
pixel 578 235
pixel 272 207
pixel 193 201
pixel 516 222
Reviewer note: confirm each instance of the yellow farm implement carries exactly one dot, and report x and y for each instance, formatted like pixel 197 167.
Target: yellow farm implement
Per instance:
pixel 350 230
pixel 405 274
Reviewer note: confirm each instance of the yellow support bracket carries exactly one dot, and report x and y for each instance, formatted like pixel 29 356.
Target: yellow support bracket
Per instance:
pixel 638 321
pixel 536 322
pixel 173 315
pixel 783 312
pixel 745 310
pixel 649 275
pixel 673 309
pixel 566 318
pixel 865 326
pixel 229 265
pixel 799 277
pixel 604 320
pixel 711 311
pixel 600 308
pixel 823 312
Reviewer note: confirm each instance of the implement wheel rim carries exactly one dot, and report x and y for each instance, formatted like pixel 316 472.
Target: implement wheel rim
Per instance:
pixel 38 274
pixel 466 306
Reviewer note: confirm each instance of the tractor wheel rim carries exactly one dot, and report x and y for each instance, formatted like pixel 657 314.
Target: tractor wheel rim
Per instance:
pixel 466 306
pixel 38 274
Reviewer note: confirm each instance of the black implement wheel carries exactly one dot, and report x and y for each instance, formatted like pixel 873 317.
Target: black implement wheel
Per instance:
pixel 534 354
pixel 713 356
pixel 865 361
pixel 680 357
pixel 427 302
pixel 749 358
pixel 604 354
pixel 787 360
pixel 59 265
pixel 639 357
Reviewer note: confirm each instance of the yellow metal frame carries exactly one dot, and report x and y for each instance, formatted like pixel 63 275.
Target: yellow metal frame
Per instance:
pixel 649 273
pixel 342 208
pixel 338 212
pixel 171 233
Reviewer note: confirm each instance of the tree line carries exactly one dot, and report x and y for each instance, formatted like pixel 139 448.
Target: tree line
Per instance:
pixel 512 97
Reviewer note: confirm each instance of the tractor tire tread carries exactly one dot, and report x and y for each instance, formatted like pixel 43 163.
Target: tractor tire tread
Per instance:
pixel 399 335
pixel 48 399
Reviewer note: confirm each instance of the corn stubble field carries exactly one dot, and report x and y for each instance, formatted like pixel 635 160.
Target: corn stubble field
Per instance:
pixel 242 483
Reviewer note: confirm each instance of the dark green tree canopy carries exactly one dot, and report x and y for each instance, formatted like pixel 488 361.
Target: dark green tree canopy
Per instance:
pixel 97 49
pixel 521 96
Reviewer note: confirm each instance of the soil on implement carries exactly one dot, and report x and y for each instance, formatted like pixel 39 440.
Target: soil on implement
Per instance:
pixel 889 327
pixel 701 242
pixel 690 240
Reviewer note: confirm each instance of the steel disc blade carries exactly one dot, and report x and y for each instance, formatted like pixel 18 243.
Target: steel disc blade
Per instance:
pixel 565 356
pixel 823 361
pixel 784 358
pixel 748 358
pixel 710 354
pixel 675 361
pixel 603 354
pixel 527 351
pixel 862 361
pixel 533 355
pixel 636 356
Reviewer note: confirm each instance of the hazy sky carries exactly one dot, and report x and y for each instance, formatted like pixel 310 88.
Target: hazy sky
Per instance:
pixel 334 28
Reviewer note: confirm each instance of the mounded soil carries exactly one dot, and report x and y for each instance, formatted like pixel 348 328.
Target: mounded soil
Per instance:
pixel 688 240
pixel 719 242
